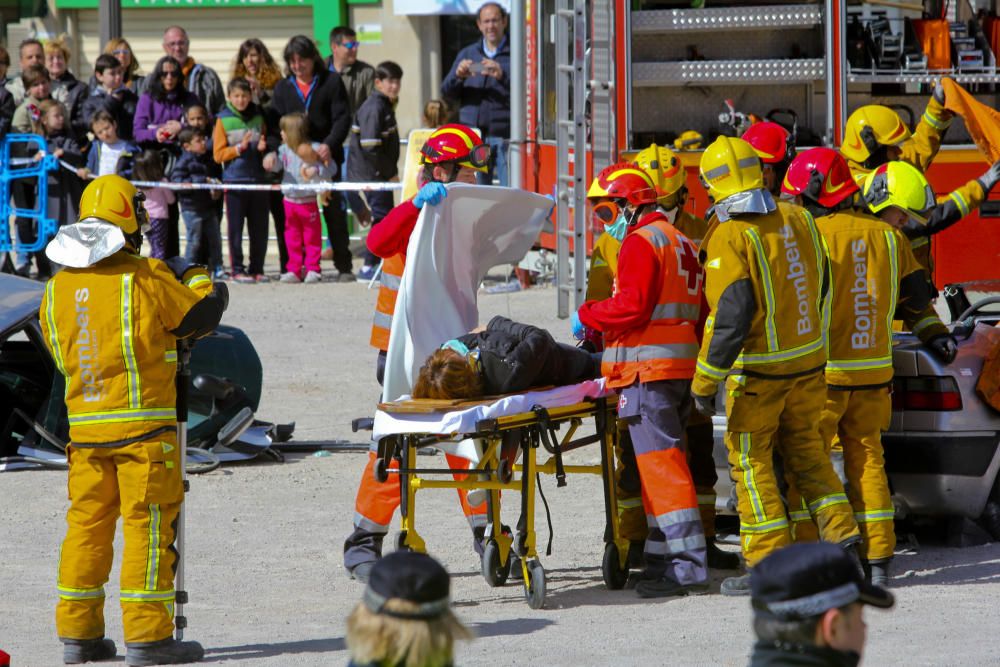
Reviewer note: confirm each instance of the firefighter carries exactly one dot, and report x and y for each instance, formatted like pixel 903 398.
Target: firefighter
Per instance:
pixel 776 148
pixel 874 278
pixel 112 320
pixel 452 154
pixel 669 177
pixel 650 329
pixel 766 275
pixel 875 134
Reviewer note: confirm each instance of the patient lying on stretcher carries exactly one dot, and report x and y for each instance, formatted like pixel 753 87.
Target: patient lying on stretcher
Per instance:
pixel 504 358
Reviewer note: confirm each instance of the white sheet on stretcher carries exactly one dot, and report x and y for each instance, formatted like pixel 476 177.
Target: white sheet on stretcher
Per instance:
pixel 464 421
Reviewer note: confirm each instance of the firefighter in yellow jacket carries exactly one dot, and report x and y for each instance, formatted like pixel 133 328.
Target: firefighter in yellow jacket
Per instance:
pixel 112 320
pixel 875 277
pixel 766 276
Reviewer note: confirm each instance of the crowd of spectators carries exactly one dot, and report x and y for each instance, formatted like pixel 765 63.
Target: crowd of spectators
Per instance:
pixel 176 123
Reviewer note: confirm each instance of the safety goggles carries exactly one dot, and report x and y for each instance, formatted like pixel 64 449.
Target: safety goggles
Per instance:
pixel 478 157
pixel 606 212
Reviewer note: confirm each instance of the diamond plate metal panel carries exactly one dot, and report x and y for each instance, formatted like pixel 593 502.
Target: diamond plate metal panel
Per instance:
pixel 729 18
pixel 714 72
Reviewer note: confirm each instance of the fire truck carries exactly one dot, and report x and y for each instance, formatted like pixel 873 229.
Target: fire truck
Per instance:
pixel 608 77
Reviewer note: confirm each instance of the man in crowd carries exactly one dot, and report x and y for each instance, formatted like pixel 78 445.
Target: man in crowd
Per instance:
pixel 357 75
pixel 30 53
pixel 201 79
pixel 480 81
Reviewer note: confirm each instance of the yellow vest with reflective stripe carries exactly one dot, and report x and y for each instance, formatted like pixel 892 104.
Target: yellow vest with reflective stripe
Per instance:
pixel 108 328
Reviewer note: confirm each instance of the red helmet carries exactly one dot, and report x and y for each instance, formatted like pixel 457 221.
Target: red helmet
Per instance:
pixel 456 144
pixel 624 181
pixel 821 175
pixel 773 143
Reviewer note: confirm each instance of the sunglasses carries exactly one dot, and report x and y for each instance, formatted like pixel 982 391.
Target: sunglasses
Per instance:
pixel 606 211
pixel 350 45
pixel 120 52
pixel 170 73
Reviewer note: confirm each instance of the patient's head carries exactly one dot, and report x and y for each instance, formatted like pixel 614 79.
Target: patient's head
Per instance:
pixel 448 374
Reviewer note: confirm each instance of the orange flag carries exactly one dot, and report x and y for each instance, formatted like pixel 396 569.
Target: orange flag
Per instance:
pixel 982 122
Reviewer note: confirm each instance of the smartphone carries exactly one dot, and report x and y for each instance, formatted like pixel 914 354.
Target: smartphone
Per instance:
pixel 476 69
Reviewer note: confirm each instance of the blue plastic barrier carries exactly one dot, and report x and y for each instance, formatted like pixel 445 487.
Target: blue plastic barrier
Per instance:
pixel 24 170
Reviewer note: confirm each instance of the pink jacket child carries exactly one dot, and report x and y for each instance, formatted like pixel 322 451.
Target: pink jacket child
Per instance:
pixel 157 203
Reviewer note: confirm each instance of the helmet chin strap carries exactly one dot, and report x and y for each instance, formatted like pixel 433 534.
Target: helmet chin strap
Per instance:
pixel 633 217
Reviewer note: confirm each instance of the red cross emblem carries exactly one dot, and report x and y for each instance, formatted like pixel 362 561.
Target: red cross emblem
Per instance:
pixel 688 266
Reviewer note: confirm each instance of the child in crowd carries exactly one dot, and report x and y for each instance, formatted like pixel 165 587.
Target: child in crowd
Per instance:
pixel 404 618
pixel 37 87
pixel 197 206
pixel 436 113
pixel 109 153
pixel 149 167
pixel 64 186
pixel 111 95
pixel 374 149
pixel 240 142
pixel 196 116
pixel 303 231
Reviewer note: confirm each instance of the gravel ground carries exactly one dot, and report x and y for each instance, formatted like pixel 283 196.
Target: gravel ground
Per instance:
pixel 265 572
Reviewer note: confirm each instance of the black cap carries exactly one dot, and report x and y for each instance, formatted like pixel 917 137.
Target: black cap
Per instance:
pixel 805 580
pixel 410 576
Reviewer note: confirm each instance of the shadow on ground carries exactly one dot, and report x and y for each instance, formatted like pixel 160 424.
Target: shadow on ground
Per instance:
pixel 259 651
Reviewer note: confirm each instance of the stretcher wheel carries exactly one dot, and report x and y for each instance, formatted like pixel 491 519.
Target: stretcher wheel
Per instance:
pixel 401 541
pixel 381 470
pixel 615 575
pixel 494 572
pixel 504 471
pixel 534 587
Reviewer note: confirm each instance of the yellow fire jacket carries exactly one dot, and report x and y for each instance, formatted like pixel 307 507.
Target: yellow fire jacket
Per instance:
pixel 875 278
pixel 109 330
pixel 766 277
pixel 950 209
pixel 921 148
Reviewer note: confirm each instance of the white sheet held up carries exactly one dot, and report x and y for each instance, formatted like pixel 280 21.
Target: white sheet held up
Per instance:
pixel 452 247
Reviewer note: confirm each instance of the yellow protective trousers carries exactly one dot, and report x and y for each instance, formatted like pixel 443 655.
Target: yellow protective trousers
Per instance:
pixel 141 482
pixel 764 413
pixel 853 421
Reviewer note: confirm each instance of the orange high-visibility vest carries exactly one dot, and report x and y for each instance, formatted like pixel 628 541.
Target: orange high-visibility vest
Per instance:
pixel 392 274
pixel 667 347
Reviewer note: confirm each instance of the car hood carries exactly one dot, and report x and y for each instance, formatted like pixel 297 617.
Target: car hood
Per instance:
pixel 20 299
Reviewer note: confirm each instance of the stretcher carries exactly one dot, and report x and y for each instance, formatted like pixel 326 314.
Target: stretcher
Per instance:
pixel 511 431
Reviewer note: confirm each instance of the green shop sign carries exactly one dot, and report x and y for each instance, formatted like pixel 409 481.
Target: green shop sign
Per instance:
pixel 183 4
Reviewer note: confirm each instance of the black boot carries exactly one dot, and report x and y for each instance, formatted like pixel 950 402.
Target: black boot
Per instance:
pixel 877 571
pixel 719 559
pixel 79 651
pixel 165 652
pixel 664 588
pixel 852 546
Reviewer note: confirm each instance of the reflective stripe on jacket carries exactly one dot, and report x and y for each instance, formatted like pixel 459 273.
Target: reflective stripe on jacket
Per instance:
pixel 765 279
pixel 874 278
pixel 392 275
pixel 666 348
pixel 108 328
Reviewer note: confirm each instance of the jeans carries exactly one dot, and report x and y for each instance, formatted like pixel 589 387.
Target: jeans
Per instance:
pixel 380 203
pixel 202 231
pixel 336 227
pixel 252 207
pixel 499 146
pixel 276 202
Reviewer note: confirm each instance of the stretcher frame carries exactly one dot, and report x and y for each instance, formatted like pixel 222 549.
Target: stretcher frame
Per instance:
pixel 494 473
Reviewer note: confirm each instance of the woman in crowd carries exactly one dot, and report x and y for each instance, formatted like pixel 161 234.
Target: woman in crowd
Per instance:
pixel 122 50
pixel 158 119
pixel 319 93
pixel 255 64
pixel 65 87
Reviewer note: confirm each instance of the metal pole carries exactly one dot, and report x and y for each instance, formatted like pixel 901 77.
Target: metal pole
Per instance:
pixel 183 380
pixel 518 48
pixel 836 75
pixel 109 15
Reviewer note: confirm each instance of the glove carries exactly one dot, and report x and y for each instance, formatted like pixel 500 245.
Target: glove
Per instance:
pixel 222 292
pixel 179 266
pixel 704 404
pixel 938 93
pixel 944 346
pixel 577 326
pixel 432 193
pixel 990 177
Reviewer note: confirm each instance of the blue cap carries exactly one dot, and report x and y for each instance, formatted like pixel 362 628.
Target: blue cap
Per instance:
pixel 805 580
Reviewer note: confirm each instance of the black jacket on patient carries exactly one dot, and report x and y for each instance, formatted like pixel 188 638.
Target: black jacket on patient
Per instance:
pixel 514 357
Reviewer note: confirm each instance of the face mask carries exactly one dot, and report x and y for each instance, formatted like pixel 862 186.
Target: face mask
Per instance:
pixel 457 346
pixel 618 228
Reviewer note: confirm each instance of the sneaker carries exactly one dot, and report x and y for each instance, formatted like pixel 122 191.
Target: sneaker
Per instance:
pixel 24 271
pixel 362 572
pixel 260 278
pixel 79 651
pixel 313 277
pixel 366 273
pixel 663 588
pixel 221 274
pixel 346 277
pixel 736 586
pixel 289 277
pixel 243 278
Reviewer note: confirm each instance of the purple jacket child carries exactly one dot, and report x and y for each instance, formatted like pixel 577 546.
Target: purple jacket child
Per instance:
pixel 150 114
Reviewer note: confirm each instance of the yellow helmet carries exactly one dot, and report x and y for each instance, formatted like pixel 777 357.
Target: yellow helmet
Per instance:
pixel 901 185
pixel 730 166
pixel 869 128
pixel 665 169
pixel 113 199
pixel 689 140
